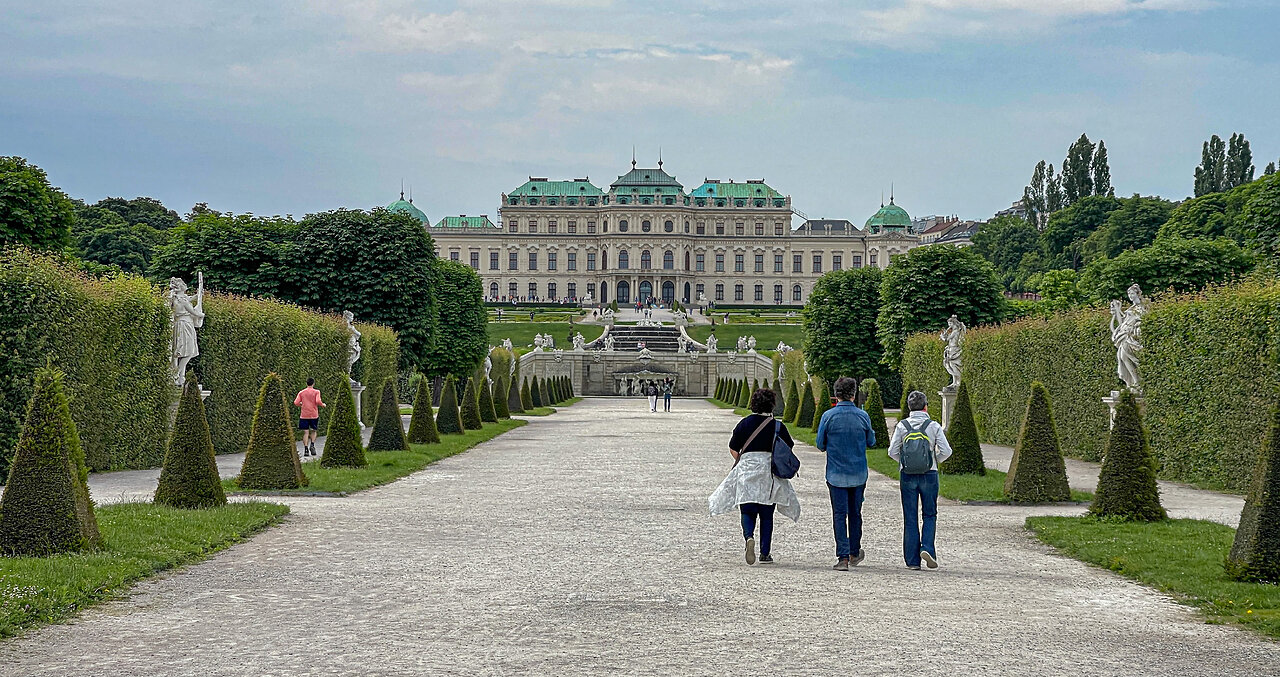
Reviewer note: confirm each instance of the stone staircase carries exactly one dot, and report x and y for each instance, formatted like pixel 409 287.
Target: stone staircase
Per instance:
pixel 656 339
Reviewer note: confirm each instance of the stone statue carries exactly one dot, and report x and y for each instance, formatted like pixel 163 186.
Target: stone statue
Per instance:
pixel 548 341
pixel 683 343
pixel 751 344
pixel 187 318
pixel 607 316
pixel 783 348
pixel 538 343
pixel 702 298
pixel 506 344
pixel 711 343
pixel 579 342
pixel 742 344
pixel 353 340
pixel 1126 332
pixel 953 335
pixel 488 366
pixel 608 343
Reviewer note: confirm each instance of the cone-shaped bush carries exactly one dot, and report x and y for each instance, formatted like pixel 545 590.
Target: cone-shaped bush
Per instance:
pixel 342 448
pixel 1127 485
pixel 388 429
pixel 271 461
pixel 189 477
pixel 744 395
pixel 1255 554
pixel 501 393
pixel 902 405
pixel 720 389
pixel 422 425
pixel 793 403
pixel 724 386
pixel 804 416
pixel 822 402
pixel 875 409
pixel 470 408
pixel 1037 473
pixel 514 405
pixel 568 384
pixel 779 403
pixel 526 395
pixel 755 384
pixel 962 433
pixel 46 507
pixel 488 413
pixel 448 420
pixel 553 386
pixel 535 392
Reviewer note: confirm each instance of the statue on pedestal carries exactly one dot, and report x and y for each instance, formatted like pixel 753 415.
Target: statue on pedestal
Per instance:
pixel 1126 332
pixel 608 343
pixel 187 318
pixel 751 344
pixel 353 340
pixel 538 343
pixel 607 316
pixel 711 343
pixel 783 348
pixel 579 342
pixel 953 335
pixel 683 344
pixel 548 341
pixel 742 344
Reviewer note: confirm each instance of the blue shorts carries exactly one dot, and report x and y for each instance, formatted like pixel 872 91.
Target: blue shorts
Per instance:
pixel 308 424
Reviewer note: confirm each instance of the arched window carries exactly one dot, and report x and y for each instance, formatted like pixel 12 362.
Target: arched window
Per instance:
pixel 777 293
pixel 493 289
pixel 686 264
pixel 604 259
pixel 622 226
pixel 669 260
pixel 669 226
pixel 646 226
pixel 624 260
pixel 795 293
pixel 646 260
pixel 737 292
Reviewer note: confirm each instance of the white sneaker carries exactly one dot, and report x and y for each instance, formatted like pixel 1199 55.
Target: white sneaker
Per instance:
pixel 928 559
pixel 751 551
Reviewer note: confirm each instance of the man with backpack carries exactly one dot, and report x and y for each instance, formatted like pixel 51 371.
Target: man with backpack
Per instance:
pixel 919 445
pixel 844 433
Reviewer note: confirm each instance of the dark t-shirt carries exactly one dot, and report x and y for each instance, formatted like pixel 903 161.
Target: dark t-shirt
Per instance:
pixel 763 441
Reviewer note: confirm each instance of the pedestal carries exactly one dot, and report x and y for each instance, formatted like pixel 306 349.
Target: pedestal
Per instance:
pixel 1113 400
pixel 357 389
pixel 948 406
pixel 204 394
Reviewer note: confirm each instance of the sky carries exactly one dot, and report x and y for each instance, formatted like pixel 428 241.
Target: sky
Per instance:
pixel 294 107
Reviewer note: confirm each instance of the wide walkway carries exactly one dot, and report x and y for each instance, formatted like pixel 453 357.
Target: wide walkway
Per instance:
pixel 580 544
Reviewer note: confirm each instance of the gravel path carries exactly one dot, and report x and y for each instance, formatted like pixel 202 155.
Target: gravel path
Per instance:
pixel 580 544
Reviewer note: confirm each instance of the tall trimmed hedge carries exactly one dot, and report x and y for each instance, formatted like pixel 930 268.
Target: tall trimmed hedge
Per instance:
pixel 1127 486
pixel 779 402
pixel 822 402
pixel 526 396
pixel 535 392
pixel 1210 363
pixel 793 403
pixel 501 396
pixel 488 413
pixel 470 406
pixel 110 337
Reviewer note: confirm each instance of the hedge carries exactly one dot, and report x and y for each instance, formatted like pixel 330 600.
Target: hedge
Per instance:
pixel 1210 365
pixel 110 337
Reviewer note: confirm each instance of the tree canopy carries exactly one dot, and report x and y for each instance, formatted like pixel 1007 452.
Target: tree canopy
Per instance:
pixel 32 212
pixel 462 340
pixel 1178 264
pixel 840 324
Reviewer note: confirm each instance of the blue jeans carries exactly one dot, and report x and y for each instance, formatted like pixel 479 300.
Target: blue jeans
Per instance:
pixel 846 516
pixel 749 513
pixel 666 401
pixel 919 497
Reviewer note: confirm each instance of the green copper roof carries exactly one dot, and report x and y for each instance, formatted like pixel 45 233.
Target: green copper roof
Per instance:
pixel 465 222
pixel 647 178
pixel 751 189
pixel 408 208
pixel 542 187
pixel 889 216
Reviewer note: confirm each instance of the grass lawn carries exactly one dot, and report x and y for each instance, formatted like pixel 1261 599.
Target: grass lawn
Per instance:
pixel 967 488
pixel 521 333
pixel 547 411
pixel 387 466
pixel 767 335
pixel 1182 558
pixel 141 539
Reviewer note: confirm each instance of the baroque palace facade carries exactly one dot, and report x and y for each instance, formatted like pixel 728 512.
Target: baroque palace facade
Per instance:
pixel 647 237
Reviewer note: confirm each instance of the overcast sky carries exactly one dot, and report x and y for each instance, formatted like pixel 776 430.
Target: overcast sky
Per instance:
pixel 303 106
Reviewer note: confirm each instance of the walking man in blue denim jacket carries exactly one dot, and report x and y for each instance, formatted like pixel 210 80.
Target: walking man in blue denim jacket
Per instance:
pixel 919 491
pixel 844 433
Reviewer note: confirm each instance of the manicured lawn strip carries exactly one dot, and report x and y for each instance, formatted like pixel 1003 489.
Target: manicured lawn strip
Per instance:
pixel 1182 558
pixel 547 411
pixel 767 335
pixel 388 466
pixel 140 540
pixel 521 333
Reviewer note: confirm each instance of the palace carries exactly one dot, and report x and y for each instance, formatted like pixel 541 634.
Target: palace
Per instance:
pixel 648 238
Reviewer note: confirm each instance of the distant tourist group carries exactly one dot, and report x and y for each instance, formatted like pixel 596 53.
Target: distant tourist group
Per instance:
pixel 759 483
pixel 653 389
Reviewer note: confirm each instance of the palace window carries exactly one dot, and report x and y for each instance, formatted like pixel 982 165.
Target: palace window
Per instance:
pixel 553 201
pixel 719 227
pixel 758 203
pixel 759 263
pixel 533 260
pixel 533 225
pixel 475 260
pixel 668 200
pixel 513 226
pixel 686 227
pixel 551 290
pixel 739 203
pixel 738 263
pixel 591 260
pixel 701 228
pixel 873 259
pixel 720 203
pixel 591 201
pixel 795 293
pixel 686 260
pixel 493 290
pixel 777 293
pixel 817 263
pixel 572 290
pixel 700 262
pixel 622 199
pixel 493 260
pixel 701 289
pixel 572 263
pixel 533 200
pixel 719 291
pixel 668 260
pixel 646 226
pixel 591 227
pixel 777 263
pixel 702 202
pixel 551 226
pixel 797 263
pixel 573 226
pixel 668 226
pixel 777 229
pixel 512 290
pixel 719 263
pixel 571 201
pixel 759 292
pixel 646 261
pixel 622 226
pixel 857 260
pixel 837 262
pixel 739 228
pixel 737 292
pixel 533 290
pixel 551 261
pixel 591 289
pixel 453 256
pixel 624 260
pixel 604 260
pixel 759 229
pixel 513 262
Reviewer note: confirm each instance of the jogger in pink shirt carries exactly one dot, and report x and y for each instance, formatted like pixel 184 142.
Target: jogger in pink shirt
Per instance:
pixel 309 420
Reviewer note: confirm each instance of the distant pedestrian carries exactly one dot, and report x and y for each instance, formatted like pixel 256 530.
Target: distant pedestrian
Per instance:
pixel 844 433
pixel 309 420
pixel 751 484
pixel 651 391
pixel 531 316
pixel 919 445
pixel 667 388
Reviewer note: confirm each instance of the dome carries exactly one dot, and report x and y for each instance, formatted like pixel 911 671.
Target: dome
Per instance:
pixel 407 207
pixel 889 216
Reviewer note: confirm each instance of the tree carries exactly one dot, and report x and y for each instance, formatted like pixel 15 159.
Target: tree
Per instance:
pixel 1271 169
pixel 462 339
pixel 804 416
pixel 46 507
pixel 793 402
pixel 422 425
pixel 501 396
pixel 342 447
pixel 448 420
pixel 1211 173
pixel 1181 265
pixel 962 433
pixel 779 403
pixel 128 248
pixel 839 323
pixel 1127 484
pixel 875 409
pixel 488 413
pixel 388 428
pixel 535 392
pixel 1133 225
pixel 1037 473
pixel 1101 171
pixel 241 254
pixel 1259 222
pixel 1053 197
pixel 1005 241
pixel 32 212
pixel 929 284
pixel 189 476
pixel 1255 553
pixel 1077 171
pixel 1034 197
pixel 271 461
pixel 1067 229
pixel 1238 168
pixel 470 406
pixel 146 211
pixel 526 396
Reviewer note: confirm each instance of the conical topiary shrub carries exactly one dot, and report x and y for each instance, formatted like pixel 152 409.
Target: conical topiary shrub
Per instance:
pixel 470 406
pixel 744 395
pixel 1037 473
pixel 422 425
pixel 342 448
pixel 535 392
pixel 514 405
pixel 388 428
pixel 779 402
pixel 720 389
pixel 501 395
pixel 488 413
pixel 962 433
pixel 189 477
pixel 448 420
pixel 1127 485
pixel 822 402
pixel 755 385
pixel 902 405
pixel 568 385
pixel 875 409
pixel 804 417
pixel 552 396
pixel 526 396
pixel 1255 554
pixel 793 403
pixel 271 461
pixel 46 507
